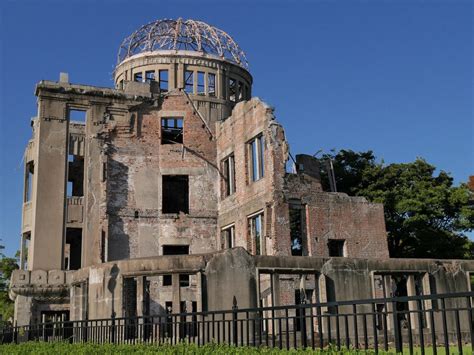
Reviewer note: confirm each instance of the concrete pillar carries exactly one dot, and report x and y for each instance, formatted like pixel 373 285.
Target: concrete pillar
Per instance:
pixel 176 293
pixel 49 186
pixel 180 76
pixel 172 76
pixel 412 305
pixel 22 310
pixel 387 280
pixel 22 251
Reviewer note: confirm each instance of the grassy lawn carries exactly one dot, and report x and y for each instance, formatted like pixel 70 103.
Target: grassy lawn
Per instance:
pixel 69 349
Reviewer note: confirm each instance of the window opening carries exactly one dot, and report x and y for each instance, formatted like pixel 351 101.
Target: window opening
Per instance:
pixel 240 91
pixel 228 237
pixel 189 81
pixel 256 147
pixel 228 167
pixel 73 249
pixel 201 87
pixel 176 250
pixel 232 90
pixel 75 183
pixel 336 247
pixel 175 194
pixel 163 80
pixel 29 175
pixel 150 76
pixel 256 232
pixel 138 77
pixel 172 130
pixel 211 83
pixel 296 233
pixel 130 307
pixel 77 115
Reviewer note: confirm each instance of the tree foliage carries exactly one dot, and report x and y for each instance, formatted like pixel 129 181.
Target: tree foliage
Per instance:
pixel 7 265
pixel 426 216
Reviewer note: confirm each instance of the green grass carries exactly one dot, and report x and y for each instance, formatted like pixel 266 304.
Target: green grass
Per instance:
pixel 83 349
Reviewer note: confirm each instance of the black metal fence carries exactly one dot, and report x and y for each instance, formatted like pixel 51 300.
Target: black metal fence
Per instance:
pixel 419 322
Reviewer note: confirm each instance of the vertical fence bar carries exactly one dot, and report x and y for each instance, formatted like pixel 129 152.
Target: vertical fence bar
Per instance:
pixel 420 325
pixel 374 327
pixel 234 321
pixel 458 331
pixel 396 329
pixel 471 321
pixel 445 325
pixel 356 331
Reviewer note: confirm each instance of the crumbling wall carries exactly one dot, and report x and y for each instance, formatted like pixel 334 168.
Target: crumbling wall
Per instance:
pixel 248 120
pixel 136 162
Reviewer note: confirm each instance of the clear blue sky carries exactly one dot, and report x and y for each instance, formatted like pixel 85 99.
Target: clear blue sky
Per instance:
pixel 392 76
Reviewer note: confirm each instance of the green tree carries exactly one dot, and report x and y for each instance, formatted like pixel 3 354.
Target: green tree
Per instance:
pixel 7 265
pixel 425 215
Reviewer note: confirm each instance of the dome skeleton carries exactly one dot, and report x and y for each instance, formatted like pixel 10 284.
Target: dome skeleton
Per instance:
pixel 182 34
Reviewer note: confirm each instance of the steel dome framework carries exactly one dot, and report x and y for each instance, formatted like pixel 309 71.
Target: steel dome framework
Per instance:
pixel 182 34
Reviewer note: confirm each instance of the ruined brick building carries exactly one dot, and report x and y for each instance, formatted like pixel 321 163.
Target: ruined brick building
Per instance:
pixel 134 193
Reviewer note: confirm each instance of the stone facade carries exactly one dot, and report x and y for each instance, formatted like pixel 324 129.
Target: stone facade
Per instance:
pixel 131 191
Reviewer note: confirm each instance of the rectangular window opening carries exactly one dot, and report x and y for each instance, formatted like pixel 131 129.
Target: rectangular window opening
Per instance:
pixel 256 152
pixel 255 225
pixel 240 91
pixel 149 76
pixel 232 90
pixel 77 115
pixel 73 249
pixel 201 87
pixel 175 194
pixel 211 83
pixel 296 230
pixel 189 81
pixel 176 250
pixel 138 77
pixel 228 172
pixel 29 175
pixel 336 247
pixel 172 130
pixel 228 237
pixel 163 80
pixel 75 184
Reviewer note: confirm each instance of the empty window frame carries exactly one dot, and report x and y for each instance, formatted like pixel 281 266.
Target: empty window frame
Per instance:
pixel 228 175
pixel 336 247
pixel 228 237
pixel 29 175
pixel 201 85
pixel 296 229
pixel 255 231
pixel 77 115
pixel 211 84
pixel 189 81
pixel 240 91
pixel 75 183
pixel 74 245
pixel 232 90
pixel 176 250
pixel 163 77
pixel 149 76
pixel 172 130
pixel 256 148
pixel 175 193
pixel 138 77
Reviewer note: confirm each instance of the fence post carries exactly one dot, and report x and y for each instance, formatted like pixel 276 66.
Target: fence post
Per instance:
pixel 304 342
pixel 396 329
pixel 234 320
pixel 113 327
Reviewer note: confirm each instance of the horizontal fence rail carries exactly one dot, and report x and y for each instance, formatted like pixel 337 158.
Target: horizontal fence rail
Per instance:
pixel 418 322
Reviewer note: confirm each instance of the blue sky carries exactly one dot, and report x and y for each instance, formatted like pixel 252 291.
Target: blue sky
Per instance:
pixel 391 76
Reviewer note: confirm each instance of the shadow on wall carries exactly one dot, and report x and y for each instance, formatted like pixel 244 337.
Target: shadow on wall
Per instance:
pixel 118 246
